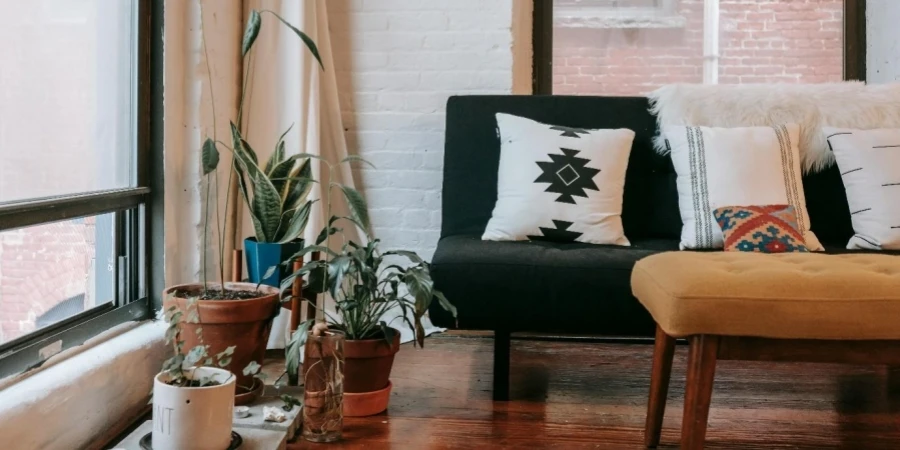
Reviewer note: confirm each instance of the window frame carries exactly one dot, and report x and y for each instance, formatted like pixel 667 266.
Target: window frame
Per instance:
pixel 542 44
pixel 138 219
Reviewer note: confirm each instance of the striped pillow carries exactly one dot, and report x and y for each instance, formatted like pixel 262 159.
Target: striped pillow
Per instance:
pixel 762 229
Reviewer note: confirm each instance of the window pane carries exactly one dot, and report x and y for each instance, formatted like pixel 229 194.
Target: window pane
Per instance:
pixel 632 48
pixel 66 96
pixel 54 271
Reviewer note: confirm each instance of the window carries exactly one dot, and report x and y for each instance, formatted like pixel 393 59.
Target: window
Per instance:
pixel 74 173
pixel 631 47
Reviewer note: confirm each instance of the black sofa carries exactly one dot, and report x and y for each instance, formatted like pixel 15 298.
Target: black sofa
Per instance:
pixel 567 288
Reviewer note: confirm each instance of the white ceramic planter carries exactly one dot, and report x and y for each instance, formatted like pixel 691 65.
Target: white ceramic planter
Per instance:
pixel 189 418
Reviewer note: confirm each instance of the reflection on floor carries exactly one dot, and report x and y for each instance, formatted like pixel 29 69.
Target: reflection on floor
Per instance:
pixel 573 395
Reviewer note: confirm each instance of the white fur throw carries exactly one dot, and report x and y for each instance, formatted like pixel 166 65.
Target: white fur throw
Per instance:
pixel 812 106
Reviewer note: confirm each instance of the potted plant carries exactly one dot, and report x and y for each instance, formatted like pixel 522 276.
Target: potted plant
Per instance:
pixel 193 395
pixel 276 195
pixel 365 283
pixel 236 312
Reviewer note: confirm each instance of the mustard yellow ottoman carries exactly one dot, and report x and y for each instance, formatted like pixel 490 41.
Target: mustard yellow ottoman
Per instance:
pixel 751 306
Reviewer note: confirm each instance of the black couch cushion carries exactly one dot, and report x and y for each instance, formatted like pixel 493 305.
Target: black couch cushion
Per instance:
pixel 540 286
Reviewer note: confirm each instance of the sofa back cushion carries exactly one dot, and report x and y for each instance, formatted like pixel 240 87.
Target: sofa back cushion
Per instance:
pixel 650 209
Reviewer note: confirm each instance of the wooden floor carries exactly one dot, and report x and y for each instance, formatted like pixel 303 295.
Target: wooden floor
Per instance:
pixel 574 395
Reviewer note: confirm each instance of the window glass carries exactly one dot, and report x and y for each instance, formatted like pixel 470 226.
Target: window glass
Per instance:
pixel 633 47
pixel 53 271
pixel 66 97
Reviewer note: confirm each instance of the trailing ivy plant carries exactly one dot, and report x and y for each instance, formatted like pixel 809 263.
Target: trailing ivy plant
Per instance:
pixel 180 363
pixel 364 282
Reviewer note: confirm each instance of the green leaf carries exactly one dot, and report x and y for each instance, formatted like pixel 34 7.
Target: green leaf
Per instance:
pixel 327 231
pixel 445 303
pixel 257 224
pixel 307 250
pixel 224 362
pixel 278 155
pixel 297 224
pixel 388 332
pixel 252 368
pixel 295 192
pixel 265 204
pixel 309 267
pixel 359 159
pixel 293 349
pixel 412 256
pixel 209 156
pixel 337 269
pixel 420 333
pixel 290 402
pixel 195 355
pixel 310 44
pixel 251 32
pixel 357 206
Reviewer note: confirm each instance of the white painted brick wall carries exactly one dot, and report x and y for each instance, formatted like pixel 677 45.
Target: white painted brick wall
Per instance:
pixel 397 63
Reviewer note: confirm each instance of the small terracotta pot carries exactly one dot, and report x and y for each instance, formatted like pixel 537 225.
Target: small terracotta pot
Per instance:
pixel 367 403
pixel 368 363
pixel 243 323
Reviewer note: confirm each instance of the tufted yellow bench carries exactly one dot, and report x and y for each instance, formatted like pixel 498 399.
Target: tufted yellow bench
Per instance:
pixel 751 306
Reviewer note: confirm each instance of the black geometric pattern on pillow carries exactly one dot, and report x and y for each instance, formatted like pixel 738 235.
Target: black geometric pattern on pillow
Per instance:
pixel 568 175
pixel 558 234
pixel 569 131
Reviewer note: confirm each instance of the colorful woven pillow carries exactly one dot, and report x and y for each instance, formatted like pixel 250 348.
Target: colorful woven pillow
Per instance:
pixel 764 229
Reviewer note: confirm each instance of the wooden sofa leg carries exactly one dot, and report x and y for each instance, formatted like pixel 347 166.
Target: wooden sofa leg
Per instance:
pixel 501 365
pixel 698 391
pixel 663 352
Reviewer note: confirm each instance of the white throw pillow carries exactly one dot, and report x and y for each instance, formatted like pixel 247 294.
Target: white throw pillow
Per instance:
pixel 559 183
pixel 869 161
pixel 752 166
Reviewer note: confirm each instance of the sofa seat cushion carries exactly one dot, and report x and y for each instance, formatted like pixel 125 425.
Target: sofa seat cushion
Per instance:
pixel 542 286
pixel 789 295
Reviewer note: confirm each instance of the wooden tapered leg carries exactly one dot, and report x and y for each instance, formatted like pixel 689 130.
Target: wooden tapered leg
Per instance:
pixel 698 391
pixel 663 351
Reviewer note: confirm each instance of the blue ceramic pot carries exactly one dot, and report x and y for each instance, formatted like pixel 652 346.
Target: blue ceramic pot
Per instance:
pixel 262 255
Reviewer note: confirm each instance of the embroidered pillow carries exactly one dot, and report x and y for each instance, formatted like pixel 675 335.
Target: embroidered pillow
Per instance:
pixel 735 166
pixel 763 229
pixel 869 161
pixel 558 183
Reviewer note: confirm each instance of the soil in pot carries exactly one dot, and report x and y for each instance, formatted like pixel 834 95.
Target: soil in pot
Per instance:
pixel 242 322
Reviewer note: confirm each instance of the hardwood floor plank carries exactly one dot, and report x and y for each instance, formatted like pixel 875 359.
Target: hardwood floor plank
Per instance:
pixel 574 395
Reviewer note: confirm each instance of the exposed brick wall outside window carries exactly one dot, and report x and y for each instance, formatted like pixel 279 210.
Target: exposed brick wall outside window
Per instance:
pixel 761 41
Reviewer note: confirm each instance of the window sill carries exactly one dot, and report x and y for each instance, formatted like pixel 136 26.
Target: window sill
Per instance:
pixel 618 21
pixel 82 394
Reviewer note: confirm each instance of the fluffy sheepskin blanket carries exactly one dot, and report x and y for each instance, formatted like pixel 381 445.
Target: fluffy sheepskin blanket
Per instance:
pixel 812 106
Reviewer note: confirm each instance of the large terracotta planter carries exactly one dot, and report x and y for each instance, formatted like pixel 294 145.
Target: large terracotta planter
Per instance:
pixel 243 323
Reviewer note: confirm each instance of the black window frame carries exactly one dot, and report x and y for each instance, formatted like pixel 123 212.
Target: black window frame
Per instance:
pixel 138 219
pixel 542 44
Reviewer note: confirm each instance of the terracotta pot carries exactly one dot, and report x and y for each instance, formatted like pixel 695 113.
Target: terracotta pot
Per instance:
pixel 368 363
pixel 243 323
pixel 367 403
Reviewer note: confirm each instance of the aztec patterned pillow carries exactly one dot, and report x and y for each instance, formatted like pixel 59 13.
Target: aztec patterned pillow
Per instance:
pixel 763 229
pixel 558 183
